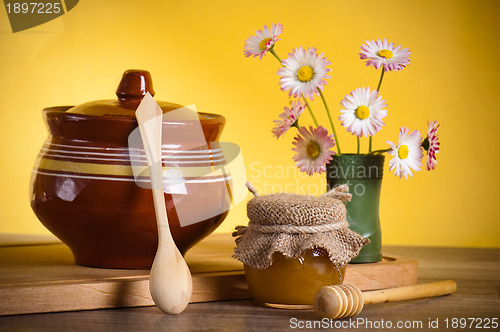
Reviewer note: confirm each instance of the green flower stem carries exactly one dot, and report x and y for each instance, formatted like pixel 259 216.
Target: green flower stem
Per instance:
pixel 357 138
pixel 331 121
pixel 305 100
pixel 378 89
pixel 310 111
pixel 274 53
pixel 380 151
pixel 381 78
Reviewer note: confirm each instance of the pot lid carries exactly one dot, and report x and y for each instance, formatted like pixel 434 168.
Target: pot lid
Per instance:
pixel 132 88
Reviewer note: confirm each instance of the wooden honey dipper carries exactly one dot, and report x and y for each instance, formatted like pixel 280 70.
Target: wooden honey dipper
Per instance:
pixel 343 301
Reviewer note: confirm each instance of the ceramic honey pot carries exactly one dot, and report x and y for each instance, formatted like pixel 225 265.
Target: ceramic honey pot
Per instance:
pixel 84 191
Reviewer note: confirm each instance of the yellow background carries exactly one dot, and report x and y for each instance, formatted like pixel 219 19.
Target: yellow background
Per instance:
pixel 194 50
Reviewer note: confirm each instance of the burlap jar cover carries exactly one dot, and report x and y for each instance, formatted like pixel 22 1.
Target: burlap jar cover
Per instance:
pixel 290 224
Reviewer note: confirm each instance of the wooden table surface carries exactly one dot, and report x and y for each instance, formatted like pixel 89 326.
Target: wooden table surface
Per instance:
pixel 476 272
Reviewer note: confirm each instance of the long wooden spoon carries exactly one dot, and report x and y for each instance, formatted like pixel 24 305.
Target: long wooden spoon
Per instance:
pixel 170 280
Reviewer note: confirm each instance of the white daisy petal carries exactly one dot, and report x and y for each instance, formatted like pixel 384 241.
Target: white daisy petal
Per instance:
pixel 254 45
pixel 407 155
pixel 368 120
pixel 304 72
pixel 382 53
pixel 288 118
pixel 312 149
pixel 432 145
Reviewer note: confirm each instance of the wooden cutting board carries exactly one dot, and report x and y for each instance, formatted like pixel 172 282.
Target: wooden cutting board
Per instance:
pixel 44 278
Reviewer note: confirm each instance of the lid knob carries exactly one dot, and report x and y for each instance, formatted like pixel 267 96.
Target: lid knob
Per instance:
pixel 133 86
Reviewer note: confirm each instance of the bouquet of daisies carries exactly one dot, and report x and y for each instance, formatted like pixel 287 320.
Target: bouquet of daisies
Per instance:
pixel 304 75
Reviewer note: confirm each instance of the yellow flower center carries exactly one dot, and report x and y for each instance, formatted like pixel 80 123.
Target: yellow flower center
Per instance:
pixel 362 112
pixel 403 152
pixel 312 150
pixel 263 43
pixel 305 73
pixel 385 54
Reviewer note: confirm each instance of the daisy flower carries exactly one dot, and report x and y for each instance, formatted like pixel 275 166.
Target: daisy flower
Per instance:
pixel 313 149
pixel 288 118
pixel 363 113
pixel 380 53
pixel 407 155
pixel 431 145
pixel 304 72
pixel 264 40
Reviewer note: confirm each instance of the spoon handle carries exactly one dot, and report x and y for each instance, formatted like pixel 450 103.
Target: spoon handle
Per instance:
pixel 150 125
pixel 411 292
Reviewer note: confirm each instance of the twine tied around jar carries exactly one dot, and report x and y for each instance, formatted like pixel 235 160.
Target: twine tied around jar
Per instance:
pixel 290 224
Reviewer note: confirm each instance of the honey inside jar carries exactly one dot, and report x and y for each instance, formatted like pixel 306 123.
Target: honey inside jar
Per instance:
pixel 291 283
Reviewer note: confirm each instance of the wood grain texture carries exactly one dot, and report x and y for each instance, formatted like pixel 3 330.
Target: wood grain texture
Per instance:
pixel 393 271
pixel 430 289
pixel 44 278
pixel 476 272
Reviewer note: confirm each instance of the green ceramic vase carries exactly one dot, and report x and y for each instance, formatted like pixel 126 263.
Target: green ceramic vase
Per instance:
pixel 363 174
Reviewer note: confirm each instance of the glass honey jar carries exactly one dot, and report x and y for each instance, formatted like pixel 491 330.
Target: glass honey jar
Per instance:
pixel 294 245
pixel 291 283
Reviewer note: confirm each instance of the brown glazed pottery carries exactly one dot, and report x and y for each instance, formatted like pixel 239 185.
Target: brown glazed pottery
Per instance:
pixel 83 188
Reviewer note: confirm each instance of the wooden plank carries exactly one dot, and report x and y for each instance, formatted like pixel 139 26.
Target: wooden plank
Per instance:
pixel 44 278
pixel 26 239
pixel 117 293
pixel 393 271
pixel 477 296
